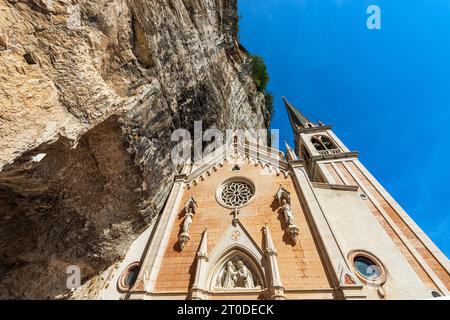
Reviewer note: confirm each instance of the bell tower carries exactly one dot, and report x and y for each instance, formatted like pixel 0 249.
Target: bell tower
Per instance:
pixel 316 143
pixel 330 164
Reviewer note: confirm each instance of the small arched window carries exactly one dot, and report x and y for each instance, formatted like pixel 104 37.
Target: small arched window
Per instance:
pixel 318 144
pixel 322 143
pixel 327 143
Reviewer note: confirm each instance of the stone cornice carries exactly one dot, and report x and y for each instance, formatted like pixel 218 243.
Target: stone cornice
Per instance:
pixel 353 154
pixel 179 177
pixel 299 163
pixel 334 186
pixel 313 129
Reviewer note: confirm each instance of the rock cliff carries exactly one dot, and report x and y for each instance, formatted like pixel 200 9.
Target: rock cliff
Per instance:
pixel 90 92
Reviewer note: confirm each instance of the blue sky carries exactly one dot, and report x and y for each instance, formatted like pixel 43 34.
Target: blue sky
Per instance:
pixel 387 92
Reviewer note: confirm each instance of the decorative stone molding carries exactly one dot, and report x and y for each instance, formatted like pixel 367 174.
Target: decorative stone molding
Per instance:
pixel 235 245
pixel 293 232
pixel 271 158
pixel 282 193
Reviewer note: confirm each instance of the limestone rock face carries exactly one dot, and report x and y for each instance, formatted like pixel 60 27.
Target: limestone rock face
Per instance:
pixel 90 92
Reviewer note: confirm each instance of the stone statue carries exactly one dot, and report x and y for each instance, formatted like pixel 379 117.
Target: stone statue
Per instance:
pixel 184 237
pixel 284 200
pixel 245 275
pixel 288 215
pixel 230 276
pixel 188 221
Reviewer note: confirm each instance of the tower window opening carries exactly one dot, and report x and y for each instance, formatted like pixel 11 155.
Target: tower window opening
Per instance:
pixel 318 144
pixel 322 143
pixel 328 144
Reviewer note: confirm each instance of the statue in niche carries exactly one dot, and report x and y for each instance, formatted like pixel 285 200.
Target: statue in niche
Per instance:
pixel 288 214
pixel 235 275
pixel 284 201
pixel 187 221
pixel 191 208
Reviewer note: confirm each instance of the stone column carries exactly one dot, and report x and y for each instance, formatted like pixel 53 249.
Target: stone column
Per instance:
pixel 276 287
pixel 198 288
pixel 159 241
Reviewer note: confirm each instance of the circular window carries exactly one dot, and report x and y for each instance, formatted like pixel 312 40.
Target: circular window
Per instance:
pixel 368 268
pixel 235 193
pixel 129 276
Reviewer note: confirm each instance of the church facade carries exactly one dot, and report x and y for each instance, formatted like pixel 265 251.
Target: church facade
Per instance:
pixel 312 223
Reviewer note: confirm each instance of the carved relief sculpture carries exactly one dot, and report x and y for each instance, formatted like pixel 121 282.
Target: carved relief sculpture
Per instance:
pixel 245 275
pixel 230 276
pixel 235 275
pixel 284 200
pixel 190 208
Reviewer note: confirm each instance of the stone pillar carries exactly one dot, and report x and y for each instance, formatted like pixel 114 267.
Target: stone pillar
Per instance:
pixel 198 288
pixel 276 287
pixel 159 241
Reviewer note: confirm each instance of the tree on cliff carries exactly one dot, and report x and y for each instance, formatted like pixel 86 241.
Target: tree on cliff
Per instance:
pixel 261 78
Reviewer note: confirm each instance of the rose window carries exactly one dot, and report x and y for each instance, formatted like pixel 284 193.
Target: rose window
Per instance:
pixel 236 193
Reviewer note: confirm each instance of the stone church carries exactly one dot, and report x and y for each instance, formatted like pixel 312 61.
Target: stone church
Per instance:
pixel 311 223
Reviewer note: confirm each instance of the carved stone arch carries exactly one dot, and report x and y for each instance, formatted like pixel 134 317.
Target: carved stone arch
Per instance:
pixel 237 253
pixel 235 241
pixel 277 171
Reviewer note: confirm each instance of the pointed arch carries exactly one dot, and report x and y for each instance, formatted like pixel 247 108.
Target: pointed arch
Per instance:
pixel 235 243
pixel 235 254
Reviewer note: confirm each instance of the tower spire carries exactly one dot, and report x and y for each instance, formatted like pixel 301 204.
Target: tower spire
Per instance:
pixel 298 120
